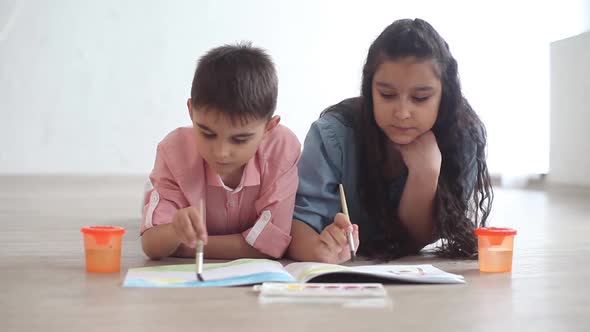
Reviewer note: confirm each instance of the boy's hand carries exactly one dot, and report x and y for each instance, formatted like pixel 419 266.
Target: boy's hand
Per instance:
pixel 333 245
pixel 422 155
pixel 189 227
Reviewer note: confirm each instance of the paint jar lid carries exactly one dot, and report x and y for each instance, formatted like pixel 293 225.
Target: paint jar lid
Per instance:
pixel 102 230
pixel 495 231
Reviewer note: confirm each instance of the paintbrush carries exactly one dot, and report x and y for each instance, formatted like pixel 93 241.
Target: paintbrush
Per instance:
pixel 199 253
pixel 349 234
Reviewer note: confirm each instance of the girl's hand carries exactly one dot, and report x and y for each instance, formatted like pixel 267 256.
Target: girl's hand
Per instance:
pixel 333 241
pixel 189 226
pixel 422 156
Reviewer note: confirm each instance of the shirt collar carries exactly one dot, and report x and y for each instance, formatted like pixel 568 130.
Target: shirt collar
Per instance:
pixel 250 176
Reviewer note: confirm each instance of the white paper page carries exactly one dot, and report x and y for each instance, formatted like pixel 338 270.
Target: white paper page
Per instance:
pixel 411 273
pixel 234 273
pixel 304 272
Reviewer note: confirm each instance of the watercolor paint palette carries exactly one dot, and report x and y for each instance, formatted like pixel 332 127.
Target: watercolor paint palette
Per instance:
pixel 321 290
pixel 347 295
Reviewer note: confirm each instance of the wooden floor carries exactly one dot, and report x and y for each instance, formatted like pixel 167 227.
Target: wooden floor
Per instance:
pixel 43 285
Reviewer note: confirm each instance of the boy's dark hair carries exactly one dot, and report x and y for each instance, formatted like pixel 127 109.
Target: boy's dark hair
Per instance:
pixel 238 80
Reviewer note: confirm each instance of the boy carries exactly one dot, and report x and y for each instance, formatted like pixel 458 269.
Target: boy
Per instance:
pixel 236 159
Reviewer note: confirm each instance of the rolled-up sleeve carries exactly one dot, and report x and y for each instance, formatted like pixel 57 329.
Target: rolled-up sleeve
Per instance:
pixel 271 232
pixel 161 202
pixel 317 198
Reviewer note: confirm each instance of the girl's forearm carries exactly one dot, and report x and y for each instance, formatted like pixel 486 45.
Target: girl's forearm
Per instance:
pixel 416 209
pixel 303 243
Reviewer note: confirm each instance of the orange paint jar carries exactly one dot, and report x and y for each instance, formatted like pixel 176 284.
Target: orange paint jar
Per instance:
pixel 102 246
pixel 495 246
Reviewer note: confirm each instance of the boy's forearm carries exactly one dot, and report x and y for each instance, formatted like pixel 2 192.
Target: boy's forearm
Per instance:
pixel 232 246
pixel 160 241
pixel 416 209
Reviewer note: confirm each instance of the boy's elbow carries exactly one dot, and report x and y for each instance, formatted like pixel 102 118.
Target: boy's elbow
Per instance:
pixel 149 250
pixel 153 255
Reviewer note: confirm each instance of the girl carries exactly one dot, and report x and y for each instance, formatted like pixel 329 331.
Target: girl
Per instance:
pixel 410 153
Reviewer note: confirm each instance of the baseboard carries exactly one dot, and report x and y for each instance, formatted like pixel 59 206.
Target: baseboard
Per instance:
pixel 534 182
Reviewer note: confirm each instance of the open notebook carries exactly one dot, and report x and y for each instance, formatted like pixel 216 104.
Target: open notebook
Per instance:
pixel 255 271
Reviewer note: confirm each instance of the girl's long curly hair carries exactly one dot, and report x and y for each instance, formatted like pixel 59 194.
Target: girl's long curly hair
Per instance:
pixel 459 205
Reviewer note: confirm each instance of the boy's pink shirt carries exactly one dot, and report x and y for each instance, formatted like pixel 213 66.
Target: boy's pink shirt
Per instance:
pixel 260 208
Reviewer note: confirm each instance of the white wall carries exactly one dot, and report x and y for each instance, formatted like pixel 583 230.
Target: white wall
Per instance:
pixel 90 87
pixel 570 111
